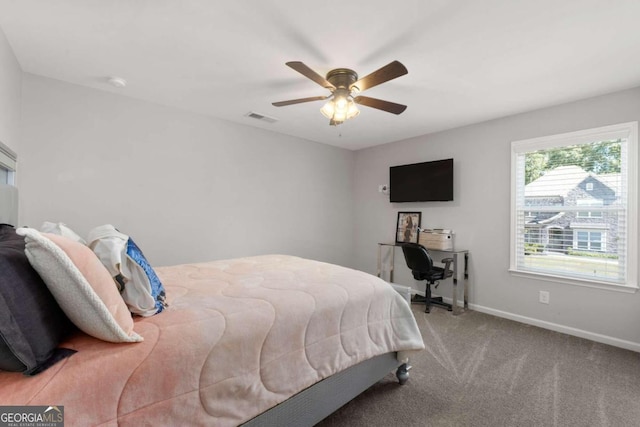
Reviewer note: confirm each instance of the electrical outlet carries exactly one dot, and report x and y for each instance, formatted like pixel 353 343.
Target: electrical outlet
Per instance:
pixel 544 297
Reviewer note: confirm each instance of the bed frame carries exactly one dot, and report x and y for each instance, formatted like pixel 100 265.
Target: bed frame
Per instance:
pixel 315 403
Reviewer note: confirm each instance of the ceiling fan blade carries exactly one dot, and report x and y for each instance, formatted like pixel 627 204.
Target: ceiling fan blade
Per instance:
pixel 388 72
pixel 310 74
pixel 299 101
pixel 389 107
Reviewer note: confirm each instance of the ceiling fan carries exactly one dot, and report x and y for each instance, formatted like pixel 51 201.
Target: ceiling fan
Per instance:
pixel 345 87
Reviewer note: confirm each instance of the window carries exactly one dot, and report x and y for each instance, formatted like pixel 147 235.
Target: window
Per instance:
pixel 574 207
pixel 588 240
pixel 8 191
pixel 7 165
pixel 589 202
pixel 4 175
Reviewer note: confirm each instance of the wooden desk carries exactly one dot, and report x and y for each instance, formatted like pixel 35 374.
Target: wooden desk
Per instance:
pixel 460 257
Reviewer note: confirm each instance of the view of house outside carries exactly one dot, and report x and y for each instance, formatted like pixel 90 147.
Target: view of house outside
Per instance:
pixel 573 210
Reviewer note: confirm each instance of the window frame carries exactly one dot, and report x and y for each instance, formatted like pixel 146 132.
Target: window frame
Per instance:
pixel 8 162
pixel 628 131
pixel 8 189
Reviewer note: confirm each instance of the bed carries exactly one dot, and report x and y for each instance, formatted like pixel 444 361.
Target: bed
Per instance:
pixel 264 340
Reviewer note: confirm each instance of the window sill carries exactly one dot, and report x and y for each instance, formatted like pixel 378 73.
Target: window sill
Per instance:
pixel 629 289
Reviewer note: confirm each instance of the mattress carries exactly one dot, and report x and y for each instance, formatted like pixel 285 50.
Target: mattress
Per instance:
pixel 238 337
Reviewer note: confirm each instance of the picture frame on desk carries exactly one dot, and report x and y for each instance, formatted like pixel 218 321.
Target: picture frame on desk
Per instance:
pixel 407 227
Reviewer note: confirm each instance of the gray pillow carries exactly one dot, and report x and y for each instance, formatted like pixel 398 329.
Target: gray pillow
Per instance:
pixel 31 322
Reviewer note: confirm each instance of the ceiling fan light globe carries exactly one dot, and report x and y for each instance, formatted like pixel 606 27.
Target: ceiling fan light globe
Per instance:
pixel 328 110
pixel 340 116
pixel 352 110
pixel 339 110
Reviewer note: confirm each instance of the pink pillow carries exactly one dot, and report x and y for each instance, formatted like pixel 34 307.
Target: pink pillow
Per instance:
pixel 81 285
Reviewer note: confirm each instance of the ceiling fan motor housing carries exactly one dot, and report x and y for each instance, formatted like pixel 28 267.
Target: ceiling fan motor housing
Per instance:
pixel 342 78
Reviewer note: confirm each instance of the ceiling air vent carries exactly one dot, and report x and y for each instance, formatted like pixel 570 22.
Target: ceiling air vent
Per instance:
pixel 262 117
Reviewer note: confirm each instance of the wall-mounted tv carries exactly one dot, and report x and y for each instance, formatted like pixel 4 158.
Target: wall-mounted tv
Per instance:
pixel 421 182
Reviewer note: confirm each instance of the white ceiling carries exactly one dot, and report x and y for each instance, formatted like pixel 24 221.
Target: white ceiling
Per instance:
pixel 468 60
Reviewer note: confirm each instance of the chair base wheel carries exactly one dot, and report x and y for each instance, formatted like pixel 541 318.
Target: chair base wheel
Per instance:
pixel 419 299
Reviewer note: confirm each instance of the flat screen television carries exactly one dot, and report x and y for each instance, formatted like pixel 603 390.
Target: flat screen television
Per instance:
pixel 422 182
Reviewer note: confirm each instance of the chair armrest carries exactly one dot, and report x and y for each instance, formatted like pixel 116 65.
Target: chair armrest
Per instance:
pixel 447 264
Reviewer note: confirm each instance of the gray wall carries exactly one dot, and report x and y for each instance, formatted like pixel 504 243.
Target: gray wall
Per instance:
pixel 10 86
pixel 190 188
pixel 480 218
pixel 186 187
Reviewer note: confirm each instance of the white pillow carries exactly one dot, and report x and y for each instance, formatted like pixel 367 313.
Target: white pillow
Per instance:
pixel 140 286
pixel 81 285
pixel 61 229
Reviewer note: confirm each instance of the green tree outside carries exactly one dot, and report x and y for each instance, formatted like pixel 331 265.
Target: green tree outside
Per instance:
pixel 599 157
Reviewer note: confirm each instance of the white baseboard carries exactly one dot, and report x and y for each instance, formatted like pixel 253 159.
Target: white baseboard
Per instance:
pixel 605 339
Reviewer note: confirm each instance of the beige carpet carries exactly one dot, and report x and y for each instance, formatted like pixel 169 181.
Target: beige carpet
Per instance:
pixel 480 370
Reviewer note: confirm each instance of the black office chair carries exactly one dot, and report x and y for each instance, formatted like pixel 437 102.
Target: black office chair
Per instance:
pixel 421 265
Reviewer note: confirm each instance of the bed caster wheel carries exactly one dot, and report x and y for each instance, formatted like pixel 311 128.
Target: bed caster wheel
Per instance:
pixel 403 373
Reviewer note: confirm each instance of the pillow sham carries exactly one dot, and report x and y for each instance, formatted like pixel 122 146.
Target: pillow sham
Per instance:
pixel 81 285
pixel 61 229
pixel 32 324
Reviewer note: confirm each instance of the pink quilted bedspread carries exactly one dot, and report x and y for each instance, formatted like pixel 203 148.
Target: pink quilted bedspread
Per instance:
pixel 239 337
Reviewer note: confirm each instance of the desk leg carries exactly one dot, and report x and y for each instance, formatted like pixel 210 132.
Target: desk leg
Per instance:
pixel 454 298
pixel 466 280
pixel 393 253
pixel 391 261
pixel 460 272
